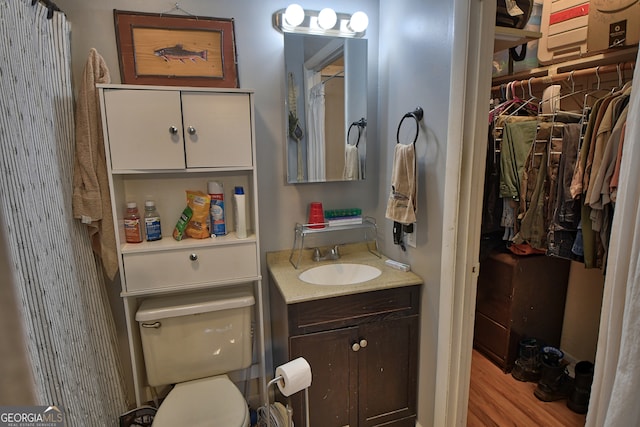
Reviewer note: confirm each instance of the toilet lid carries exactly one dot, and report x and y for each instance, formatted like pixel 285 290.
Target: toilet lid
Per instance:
pixel 207 402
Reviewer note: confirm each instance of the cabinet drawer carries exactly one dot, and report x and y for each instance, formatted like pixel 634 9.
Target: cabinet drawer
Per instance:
pixel 492 339
pixel 353 309
pixel 171 268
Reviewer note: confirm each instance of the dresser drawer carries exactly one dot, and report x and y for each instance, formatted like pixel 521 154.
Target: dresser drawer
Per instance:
pixel 492 339
pixel 172 268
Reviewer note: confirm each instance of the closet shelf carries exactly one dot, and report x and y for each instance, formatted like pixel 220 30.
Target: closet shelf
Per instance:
pixel 506 37
pixel 610 57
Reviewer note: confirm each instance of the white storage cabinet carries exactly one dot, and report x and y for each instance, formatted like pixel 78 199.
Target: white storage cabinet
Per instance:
pixel 160 142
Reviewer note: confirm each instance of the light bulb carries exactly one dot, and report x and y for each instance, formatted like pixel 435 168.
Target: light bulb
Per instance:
pixel 294 14
pixel 359 22
pixel 327 18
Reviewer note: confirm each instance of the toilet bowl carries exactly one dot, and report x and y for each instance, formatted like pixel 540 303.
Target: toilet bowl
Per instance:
pixel 207 402
pixel 193 341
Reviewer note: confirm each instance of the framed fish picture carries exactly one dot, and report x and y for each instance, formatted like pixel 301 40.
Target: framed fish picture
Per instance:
pixel 176 50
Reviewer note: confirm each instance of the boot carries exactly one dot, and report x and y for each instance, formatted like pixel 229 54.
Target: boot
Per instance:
pixel 579 398
pixel 527 366
pixel 555 382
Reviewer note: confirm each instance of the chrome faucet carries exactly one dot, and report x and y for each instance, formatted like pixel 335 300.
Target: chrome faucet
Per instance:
pixel 333 254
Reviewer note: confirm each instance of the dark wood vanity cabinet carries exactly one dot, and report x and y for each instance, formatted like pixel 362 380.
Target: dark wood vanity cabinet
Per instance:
pixel 519 297
pixel 363 352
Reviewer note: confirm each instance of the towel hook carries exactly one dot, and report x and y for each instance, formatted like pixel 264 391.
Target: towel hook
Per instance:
pixel 417 115
pixel 361 124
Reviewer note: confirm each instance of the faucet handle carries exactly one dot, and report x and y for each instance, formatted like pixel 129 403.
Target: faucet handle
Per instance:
pixel 317 255
pixel 336 249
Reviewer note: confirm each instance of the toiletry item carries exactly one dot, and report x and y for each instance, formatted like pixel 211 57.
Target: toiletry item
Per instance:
pixel 216 212
pixel 316 215
pixel 181 225
pixel 152 221
pixel 398 265
pixel 239 211
pixel 132 226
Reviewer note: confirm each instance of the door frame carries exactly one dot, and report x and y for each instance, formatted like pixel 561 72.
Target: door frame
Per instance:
pixel 466 153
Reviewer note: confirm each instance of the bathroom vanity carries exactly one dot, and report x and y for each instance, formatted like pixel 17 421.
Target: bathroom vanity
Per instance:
pixel 361 340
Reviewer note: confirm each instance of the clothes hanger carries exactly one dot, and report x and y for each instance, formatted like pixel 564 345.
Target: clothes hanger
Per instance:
pixel 528 103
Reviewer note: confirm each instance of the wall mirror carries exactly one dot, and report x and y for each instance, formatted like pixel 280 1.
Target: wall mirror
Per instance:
pixel 326 107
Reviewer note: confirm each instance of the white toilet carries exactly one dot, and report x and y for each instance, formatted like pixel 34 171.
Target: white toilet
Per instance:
pixel 192 341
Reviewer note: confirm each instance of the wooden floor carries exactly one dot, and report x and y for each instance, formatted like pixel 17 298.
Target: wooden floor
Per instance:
pixel 496 399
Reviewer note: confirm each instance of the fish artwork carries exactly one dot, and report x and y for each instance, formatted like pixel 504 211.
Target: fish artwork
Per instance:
pixel 179 53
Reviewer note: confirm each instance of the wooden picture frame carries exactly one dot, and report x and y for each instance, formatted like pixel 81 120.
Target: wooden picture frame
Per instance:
pixel 176 50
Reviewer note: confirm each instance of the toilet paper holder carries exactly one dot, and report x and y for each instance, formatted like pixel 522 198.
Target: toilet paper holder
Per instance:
pixel 292 368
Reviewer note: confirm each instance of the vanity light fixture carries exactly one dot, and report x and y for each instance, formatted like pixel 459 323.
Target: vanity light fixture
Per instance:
pixel 295 19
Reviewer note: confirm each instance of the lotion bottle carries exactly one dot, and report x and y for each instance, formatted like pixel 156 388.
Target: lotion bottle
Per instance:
pixel 240 212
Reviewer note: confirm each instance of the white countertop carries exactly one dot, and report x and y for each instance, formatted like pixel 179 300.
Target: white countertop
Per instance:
pixel 294 290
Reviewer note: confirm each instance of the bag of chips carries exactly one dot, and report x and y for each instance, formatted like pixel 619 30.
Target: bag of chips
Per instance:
pixel 199 203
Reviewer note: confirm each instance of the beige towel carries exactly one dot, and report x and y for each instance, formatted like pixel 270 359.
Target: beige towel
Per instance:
pixel 91 200
pixel 351 163
pixel 401 206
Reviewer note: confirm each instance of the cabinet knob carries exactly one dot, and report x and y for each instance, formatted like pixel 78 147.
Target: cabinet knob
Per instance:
pixel 363 343
pixel 355 346
pixel 193 257
pixel 191 130
pixel 173 130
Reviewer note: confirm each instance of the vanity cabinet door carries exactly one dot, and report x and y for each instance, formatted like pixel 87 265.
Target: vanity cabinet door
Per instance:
pixel 334 387
pixel 388 370
pixel 145 129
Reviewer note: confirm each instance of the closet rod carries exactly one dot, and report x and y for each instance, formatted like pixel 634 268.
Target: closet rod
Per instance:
pixel 612 68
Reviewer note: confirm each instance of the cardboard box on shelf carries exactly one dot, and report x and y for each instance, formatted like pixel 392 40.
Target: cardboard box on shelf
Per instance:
pixel 612 24
pixel 564 30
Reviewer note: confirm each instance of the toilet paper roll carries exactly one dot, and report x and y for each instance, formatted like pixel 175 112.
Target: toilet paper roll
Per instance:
pixel 296 376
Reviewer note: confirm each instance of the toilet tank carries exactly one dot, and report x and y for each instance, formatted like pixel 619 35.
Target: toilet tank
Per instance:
pixel 196 335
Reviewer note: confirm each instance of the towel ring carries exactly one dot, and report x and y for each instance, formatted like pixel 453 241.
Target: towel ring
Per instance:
pixel 417 115
pixel 361 124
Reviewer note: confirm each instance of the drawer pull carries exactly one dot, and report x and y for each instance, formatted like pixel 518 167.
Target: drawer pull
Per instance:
pixel 173 130
pixel 154 325
pixel 363 343
pixel 193 257
pixel 355 346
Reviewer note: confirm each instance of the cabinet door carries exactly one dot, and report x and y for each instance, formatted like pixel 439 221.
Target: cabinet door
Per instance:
pixel 334 367
pixel 217 129
pixel 388 369
pixel 145 129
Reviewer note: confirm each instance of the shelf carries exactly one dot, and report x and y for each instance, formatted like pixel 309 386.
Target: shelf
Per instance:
pixel 506 38
pixel 169 243
pixel 303 230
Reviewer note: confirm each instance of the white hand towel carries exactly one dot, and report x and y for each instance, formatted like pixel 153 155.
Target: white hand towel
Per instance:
pixel 401 206
pixel 351 163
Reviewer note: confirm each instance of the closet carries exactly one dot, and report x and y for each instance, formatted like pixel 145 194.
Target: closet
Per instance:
pixel 534 281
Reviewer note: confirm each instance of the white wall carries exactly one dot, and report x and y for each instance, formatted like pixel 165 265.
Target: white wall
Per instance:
pixel 260 67
pixel 412 55
pixel 415 65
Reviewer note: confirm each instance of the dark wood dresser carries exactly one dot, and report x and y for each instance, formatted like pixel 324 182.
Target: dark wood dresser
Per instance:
pixel 519 297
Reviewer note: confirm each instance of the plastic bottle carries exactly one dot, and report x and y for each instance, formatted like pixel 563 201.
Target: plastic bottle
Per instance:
pixel 239 211
pixel 152 221
pixel 132 226
pixel 216 211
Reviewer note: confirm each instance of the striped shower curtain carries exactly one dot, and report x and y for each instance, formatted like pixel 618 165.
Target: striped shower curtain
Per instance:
pixel 70 332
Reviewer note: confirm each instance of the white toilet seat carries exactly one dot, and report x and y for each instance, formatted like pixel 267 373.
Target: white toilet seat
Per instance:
pixel 207 402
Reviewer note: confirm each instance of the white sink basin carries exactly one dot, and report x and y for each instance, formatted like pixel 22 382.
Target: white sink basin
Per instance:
pixel 339 274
